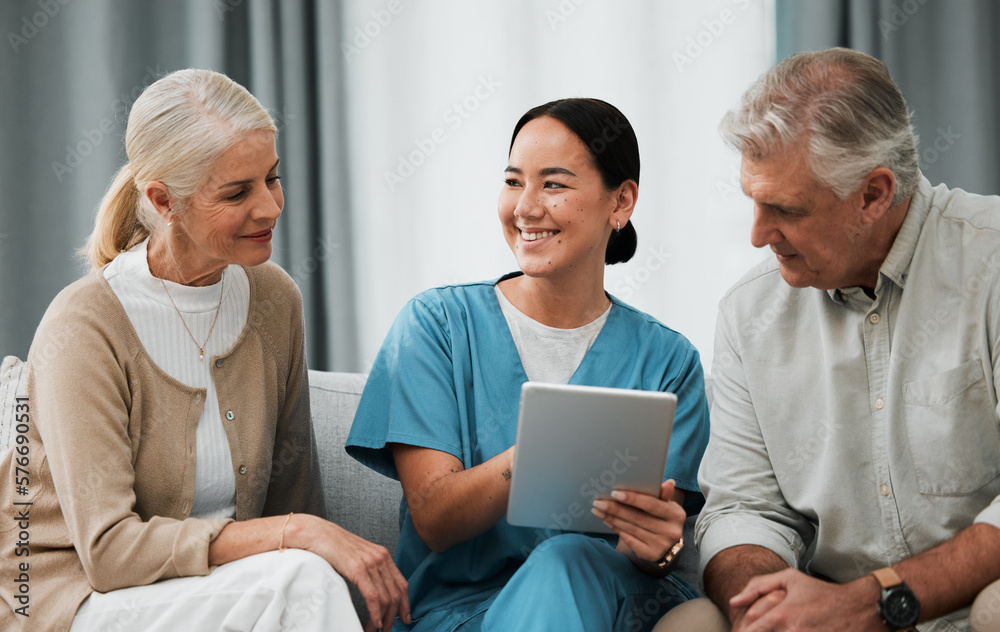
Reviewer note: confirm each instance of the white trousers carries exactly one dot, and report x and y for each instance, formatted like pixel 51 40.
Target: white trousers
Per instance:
pixel 287 590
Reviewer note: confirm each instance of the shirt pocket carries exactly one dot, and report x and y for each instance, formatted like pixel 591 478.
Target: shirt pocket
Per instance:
pixel 952 430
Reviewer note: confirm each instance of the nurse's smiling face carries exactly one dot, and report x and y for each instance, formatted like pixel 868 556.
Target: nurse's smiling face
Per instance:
pixel 555 211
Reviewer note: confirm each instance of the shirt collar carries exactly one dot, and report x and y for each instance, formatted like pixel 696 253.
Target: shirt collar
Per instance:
pixel 897 263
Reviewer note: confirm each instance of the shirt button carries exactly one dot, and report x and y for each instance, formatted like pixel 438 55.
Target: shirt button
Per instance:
pixel 243 469
pixel 230 415
pixel 874 318
pixel 884 489
pixel 879 404
pixel 218 362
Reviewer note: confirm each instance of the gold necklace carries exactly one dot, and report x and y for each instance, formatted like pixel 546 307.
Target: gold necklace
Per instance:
pixel 201 347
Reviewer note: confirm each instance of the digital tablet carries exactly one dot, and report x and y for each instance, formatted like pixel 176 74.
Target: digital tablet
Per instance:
pixel 578 443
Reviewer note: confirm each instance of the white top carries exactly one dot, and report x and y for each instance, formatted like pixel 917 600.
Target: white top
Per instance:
pixel 549 354
pixel 164 337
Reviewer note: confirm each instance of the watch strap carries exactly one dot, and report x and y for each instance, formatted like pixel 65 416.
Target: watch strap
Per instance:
pixel 671 554
pixel 887 578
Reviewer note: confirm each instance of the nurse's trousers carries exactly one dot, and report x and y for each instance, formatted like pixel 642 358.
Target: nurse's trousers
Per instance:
pixel 574 582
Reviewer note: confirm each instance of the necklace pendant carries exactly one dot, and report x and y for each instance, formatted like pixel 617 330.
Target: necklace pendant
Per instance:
pixel 201 355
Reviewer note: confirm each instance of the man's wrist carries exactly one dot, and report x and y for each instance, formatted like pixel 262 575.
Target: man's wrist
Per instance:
pixel 867 594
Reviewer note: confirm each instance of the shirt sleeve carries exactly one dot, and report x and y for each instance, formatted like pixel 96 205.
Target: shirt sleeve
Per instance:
pixel 81 400
pixel 410 396
pixel 744 503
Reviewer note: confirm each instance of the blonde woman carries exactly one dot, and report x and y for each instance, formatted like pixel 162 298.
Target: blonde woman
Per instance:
pixel 162 384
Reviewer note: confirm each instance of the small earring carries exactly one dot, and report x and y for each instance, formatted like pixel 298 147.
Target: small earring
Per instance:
pixel 619 225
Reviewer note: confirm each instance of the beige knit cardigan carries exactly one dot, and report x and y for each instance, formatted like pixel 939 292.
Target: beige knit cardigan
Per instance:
pixel 111 449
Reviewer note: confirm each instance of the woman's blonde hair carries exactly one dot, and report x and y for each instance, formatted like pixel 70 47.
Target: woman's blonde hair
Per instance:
pixel 176 129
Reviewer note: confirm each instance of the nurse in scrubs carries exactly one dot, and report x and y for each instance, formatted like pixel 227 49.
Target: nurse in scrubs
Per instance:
pixel 439 411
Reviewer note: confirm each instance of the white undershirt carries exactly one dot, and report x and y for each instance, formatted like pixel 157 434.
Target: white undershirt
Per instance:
pixel 168 343
pixel 549 354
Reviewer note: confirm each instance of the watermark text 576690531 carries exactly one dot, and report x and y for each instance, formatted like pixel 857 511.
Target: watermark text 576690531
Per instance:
pixel 21 509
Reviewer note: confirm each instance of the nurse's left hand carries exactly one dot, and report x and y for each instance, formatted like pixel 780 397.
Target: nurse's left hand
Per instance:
pixel 647 526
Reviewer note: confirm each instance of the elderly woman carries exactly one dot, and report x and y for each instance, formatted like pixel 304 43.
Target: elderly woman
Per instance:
pixel 439 411
pixel 163 384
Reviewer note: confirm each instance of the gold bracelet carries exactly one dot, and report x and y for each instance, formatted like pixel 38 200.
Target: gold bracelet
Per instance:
pixel 281 543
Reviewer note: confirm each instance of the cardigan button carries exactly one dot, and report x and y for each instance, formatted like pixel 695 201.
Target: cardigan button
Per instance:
pixel 230 415
pixel 243 469
pixel 218 363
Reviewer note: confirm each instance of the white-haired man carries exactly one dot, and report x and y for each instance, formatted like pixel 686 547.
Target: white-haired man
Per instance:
pixel 853 472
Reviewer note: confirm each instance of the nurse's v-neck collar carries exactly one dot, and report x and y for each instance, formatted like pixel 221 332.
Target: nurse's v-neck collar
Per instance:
pixel 596 368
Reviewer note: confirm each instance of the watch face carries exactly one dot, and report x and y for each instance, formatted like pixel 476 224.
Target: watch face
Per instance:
pixel 900 607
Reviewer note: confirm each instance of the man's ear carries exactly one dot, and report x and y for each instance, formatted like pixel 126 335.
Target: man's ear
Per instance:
pixel 628 195
pixel 877 191
pixel 159 196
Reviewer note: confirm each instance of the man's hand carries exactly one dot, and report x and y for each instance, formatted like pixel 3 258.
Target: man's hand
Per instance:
pixel 791 600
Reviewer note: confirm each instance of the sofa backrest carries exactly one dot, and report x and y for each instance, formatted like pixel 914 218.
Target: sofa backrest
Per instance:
pixel 357 498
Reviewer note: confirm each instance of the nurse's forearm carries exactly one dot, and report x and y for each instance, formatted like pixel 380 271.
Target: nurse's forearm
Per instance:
pixel 449 504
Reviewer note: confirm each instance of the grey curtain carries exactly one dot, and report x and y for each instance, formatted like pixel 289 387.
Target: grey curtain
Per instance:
pixel 944 56
pixel 69 71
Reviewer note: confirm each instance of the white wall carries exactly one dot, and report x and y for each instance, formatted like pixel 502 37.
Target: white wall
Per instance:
pixel 436 88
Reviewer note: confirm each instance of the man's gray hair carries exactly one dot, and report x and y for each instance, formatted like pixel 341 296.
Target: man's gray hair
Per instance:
pixel 844 104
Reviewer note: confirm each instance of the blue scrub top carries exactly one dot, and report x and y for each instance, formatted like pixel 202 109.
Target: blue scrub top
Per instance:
pixel 448 377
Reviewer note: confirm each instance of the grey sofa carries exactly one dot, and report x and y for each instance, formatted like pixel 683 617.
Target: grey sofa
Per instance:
pixel 367 503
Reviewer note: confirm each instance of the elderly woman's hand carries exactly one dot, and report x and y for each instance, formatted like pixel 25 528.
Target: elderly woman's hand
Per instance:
pixel 366 565
pixel 647 526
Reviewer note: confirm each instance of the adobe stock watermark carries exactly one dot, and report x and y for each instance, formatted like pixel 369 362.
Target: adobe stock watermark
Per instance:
pixel 643 614
pixel 733 186
pixel 562 12
pixel 300 272
pixel 713 29
pixel 302 611
pixel 635 279
pixel 596 487
pixel 986 607
pixel 364 34
pixel 455 116
pixel 946 311
pixel 32 25
pixel 95 136
pixel 899 15
pixel 944 141
pixel 225 7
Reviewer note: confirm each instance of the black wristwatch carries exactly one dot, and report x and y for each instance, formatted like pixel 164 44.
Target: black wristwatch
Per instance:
pixel 898 606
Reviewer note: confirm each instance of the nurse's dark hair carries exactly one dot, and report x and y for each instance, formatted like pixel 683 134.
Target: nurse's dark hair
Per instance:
pixel 613 147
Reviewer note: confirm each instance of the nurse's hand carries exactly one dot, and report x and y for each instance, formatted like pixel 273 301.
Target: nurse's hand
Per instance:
pixel 647 526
